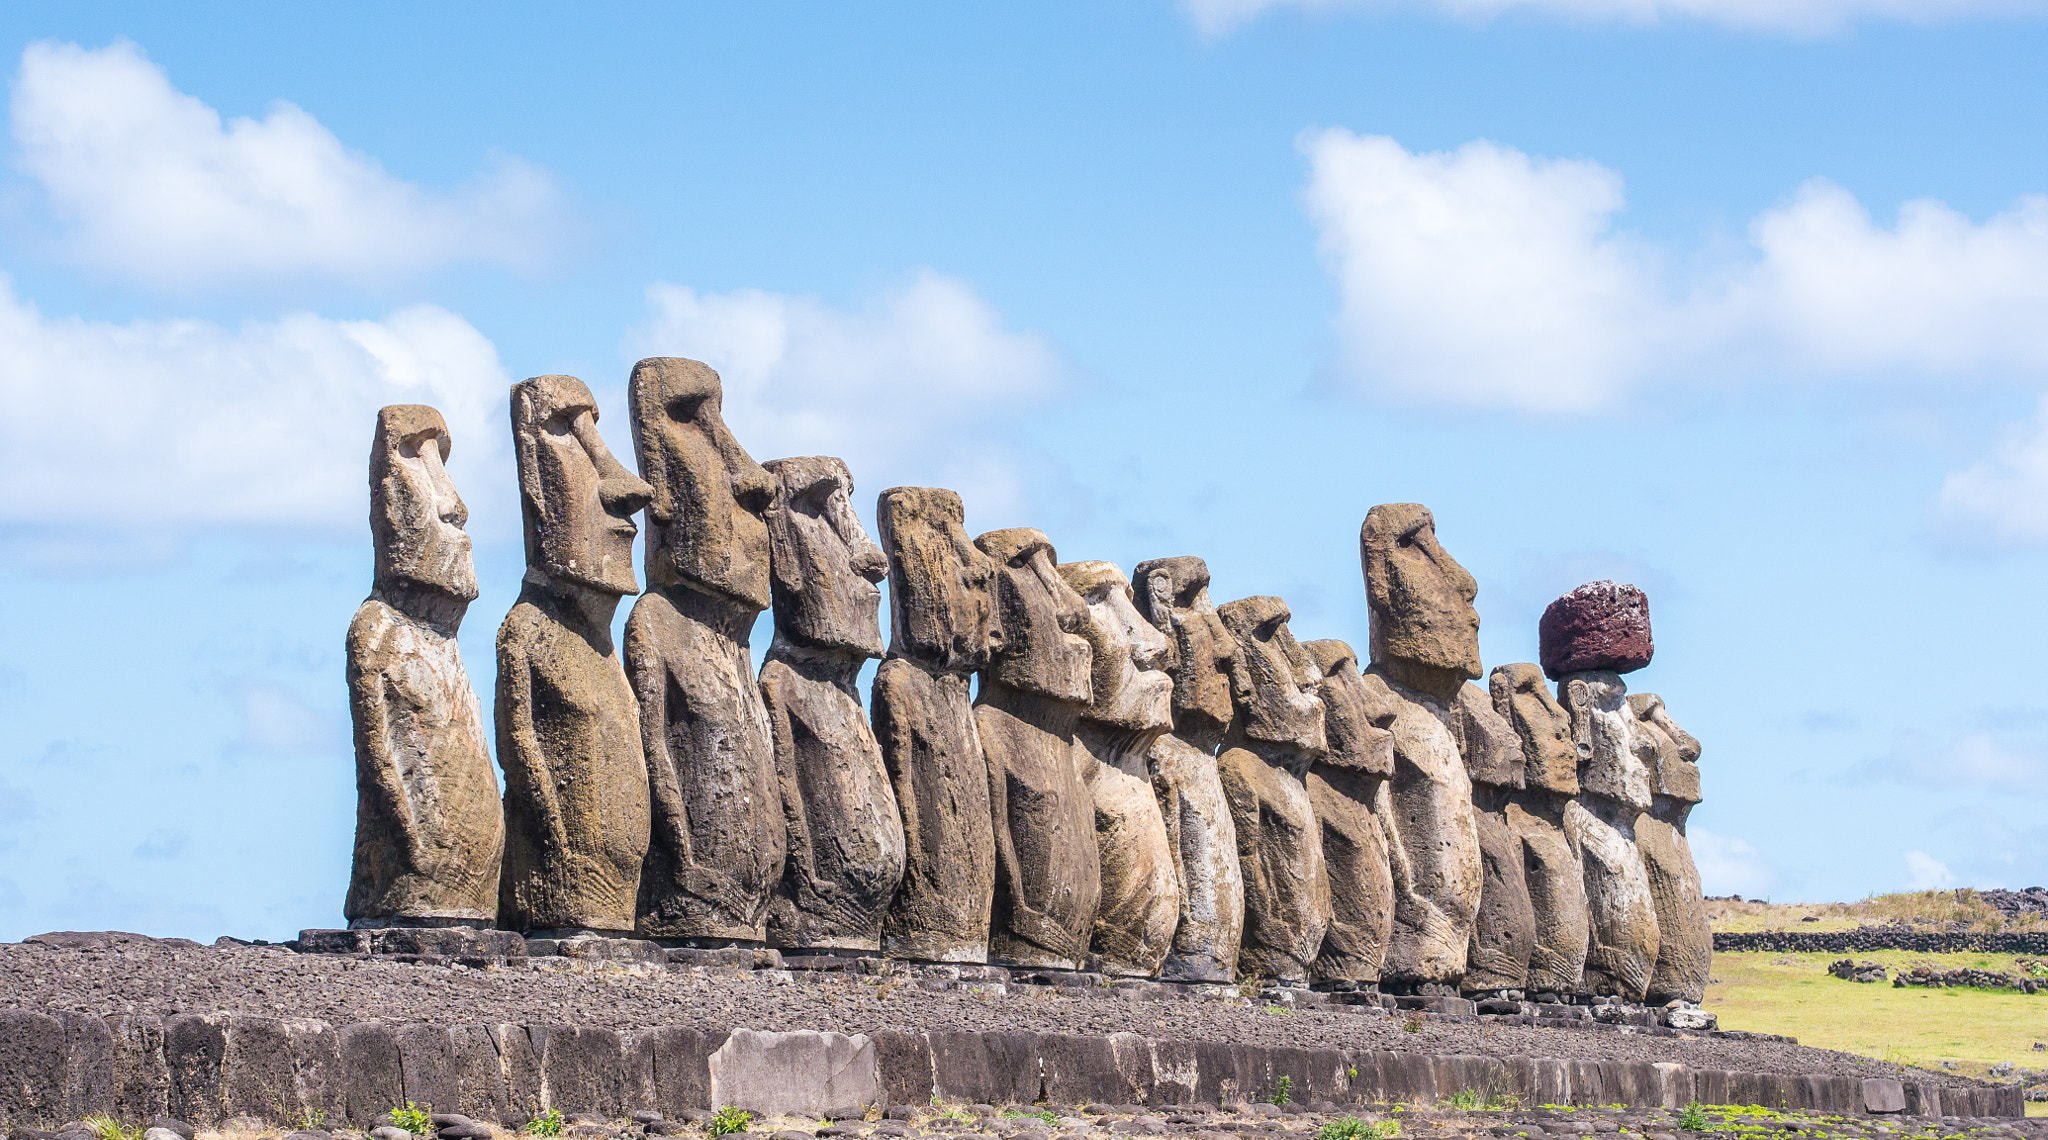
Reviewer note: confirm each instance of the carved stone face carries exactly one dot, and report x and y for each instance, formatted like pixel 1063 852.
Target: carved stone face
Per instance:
pixel 416 518
pixel 1173 594
pixel 1274 684
pixel 1128 683
pixel 1678 772
pixel 705 525
pixel 1425 633
pixel 1550 762
pixel 940 607
pixel 576 500
pixel 1037 642
pixel 1616 752
pixel 825 565
pixel 1355 720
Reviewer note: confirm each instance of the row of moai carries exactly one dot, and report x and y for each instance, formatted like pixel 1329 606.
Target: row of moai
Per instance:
pixel 1143 783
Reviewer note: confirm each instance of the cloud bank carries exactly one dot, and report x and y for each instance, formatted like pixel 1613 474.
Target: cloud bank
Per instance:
pixel 151 186
pixel 1217 18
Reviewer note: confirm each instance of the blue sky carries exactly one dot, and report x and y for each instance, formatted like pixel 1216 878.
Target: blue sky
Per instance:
pixel 1745 302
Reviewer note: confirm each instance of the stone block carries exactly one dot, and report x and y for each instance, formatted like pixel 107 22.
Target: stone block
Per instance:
pixel 88 1065
pixel 479 1081
pixel 317 1072
pixel 373 1076
pixel 195 1047
pixel 905 1061
pixel 519 1067
pixel 624 951
pixel 1176 1072
pixel 426 1065
pixel 256 1076
pixel 2008 1100
pixel 805 1071
pixel 985 1068
pixel 676 1064
pixel 142 1086
pixel 32 1076
pixel 1922 1099
pixel 1408 1078
pixel 1883 1095
pixel 1674 1084
pixel 582 1068
pixel 1225 1072
pixel 1083 1070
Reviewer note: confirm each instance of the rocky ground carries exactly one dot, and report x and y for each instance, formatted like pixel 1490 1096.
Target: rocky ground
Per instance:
pixel 170 977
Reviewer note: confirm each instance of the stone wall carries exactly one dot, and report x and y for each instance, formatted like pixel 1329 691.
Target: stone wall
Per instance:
pixel 205 1069
pixel 2033 942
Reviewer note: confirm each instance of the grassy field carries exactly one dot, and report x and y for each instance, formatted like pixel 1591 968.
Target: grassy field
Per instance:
pixel 1960 909
pixel 1793 994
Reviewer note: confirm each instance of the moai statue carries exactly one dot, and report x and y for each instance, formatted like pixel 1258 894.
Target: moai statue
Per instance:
pixel 719 837
pixel 429 828
pixel 939 624
pixel 1587 637
pixel 1347 788
pixel 1425 646
pixel 1276 734
pixel 1685 937
pixel 1173 593
pixel 845 835
pixel 1048 868
pixel 568 725
pixel 1504 930
pixel 1550 778
pixel 1130 708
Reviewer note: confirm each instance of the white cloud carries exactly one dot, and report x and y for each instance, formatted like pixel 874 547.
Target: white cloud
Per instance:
pixel 1485 277
pixel 154 187
pixel 907 389
pixel 2002 498
pixel 1926 873
pixel 1729 866
pixel 1216 18
pixel 1979 759
pixel 162 425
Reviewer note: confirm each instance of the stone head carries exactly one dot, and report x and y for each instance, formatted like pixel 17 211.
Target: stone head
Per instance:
pixel 1128 685
pixel 576 501
pixel 1173 594
pixel 1356 722
pixel 1425 633
pixel 825 566
pixel 416 518
pixel 1274 683
pixel 1616 752
pixel 1678 770
pixel 1036 643
pixel 706 525
pixel 940 605
pixel 1549 760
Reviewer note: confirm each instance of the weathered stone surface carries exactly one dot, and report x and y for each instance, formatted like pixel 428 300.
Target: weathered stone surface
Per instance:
pixel 582 1068
pixel 1550 762
pixel 1048 867
pixel 568 725
pixel 940 613
pixel 1433 841
pixel 846 846
pixel 1622 930
pixel 1616 752
pixel 1173 594
pixel 141 1082
pixel 430 830
pixel 1882 1095
pixel 1343 787
pixel 1535 814
pixel 774 1073
pixel 32 1059
pixel 1130 707
pixel 1276 734
pixel 1600 625
pixel 717 842
pixel 1504 930
pixel 1685 939
pixel 1425 633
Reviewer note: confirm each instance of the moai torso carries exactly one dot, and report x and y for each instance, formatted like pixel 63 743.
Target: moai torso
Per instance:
pixel 939 621
pixel 1504 929
pixel 1173 593
pixel 1344 786
pixel 1685 937
pixel 718 833
pixel 846 847
pixel 430 831
pixel 1048 867
pixel 1130 707
pixel 1425 646
pixel 1552 871
pixel 1276 734
pixel 568 732
pixel 1614 790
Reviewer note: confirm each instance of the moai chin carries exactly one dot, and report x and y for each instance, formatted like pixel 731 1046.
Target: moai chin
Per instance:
pixel 1685 939
pixel 430 831
pixel 1173 594
pixel 1276 733
pixel 1550 779
pixel 1425 646
pixel 718 839
pixel 1048 868
pixel 845 837
pixel 1130 708
pixel 1504 929
pixel 568 724
pixel 1347 788
pixel 940 612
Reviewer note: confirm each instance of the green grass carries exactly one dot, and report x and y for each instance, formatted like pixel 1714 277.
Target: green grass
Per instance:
pixel 1920 908
pixel 414 1119
pixel 1352 1128
pixel 727 1121
pixel 107 1128
pixel 548 1123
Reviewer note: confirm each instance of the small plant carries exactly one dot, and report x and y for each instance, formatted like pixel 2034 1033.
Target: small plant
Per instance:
pixel 107 1128
pixel 1413 1024
pixel 414 1119
pixel 548 1123
pixel 1283 1091
pixel 1044 1114
pixel 727 1121
pixel 1693 1118
pixel 1352 1128
pixel 1465 1100
pixel 1352 1072
pixel 1279 1009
